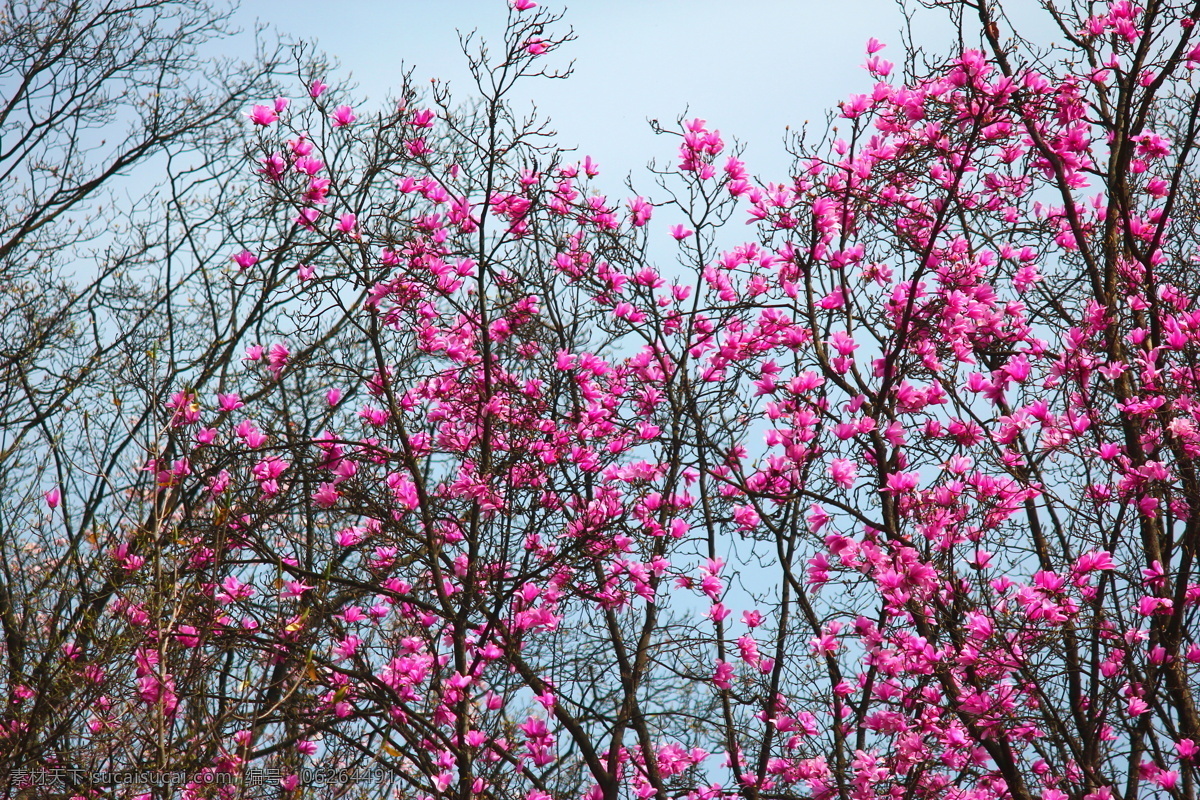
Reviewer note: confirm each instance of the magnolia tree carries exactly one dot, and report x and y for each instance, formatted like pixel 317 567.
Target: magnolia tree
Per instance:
pixel 896 498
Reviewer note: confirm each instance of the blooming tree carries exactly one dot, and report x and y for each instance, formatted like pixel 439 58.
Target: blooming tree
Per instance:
pixel 894 498
pixel 121 156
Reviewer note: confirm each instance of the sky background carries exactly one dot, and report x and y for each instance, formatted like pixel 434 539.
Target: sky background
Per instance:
pixel 751 69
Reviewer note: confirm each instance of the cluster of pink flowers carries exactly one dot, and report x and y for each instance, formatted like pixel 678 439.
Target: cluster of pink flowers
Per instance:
pixel 896 497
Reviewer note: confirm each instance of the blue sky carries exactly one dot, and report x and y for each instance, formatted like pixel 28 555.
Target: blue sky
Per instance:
pixel 750 68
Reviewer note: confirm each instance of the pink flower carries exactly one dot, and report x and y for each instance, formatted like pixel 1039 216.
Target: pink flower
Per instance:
pixel 639 211
pixel 1017 368
pixel 680 232
pixel 746 518
pixel 245 260
pixel 843 342
pixel 316 88
pixel 350 537
pixel 1095 560
pixel 300 146
pixel 308 165
pixel 901 482
pixel 843 471
pixel 232 589
pixel 53 497
pixel 219 483
pixel 262 115
pixel 981 560
pixel 535 46
pixel 307 218
pixel 326 495
pixel 254 438
pixel 855 106
pixel 523 5
pixel 253 353
pixel 277 359
pixel 826 644
pixel 273 167
pixel 229 402
pixel 722 675
pixel 342 116
pixel 295 589
pixel 186 408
